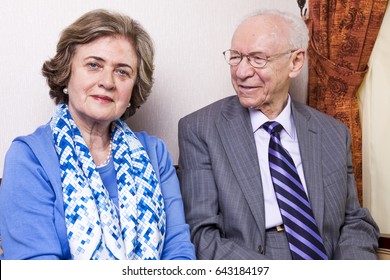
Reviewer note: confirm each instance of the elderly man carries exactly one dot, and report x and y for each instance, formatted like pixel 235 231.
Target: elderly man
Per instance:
pixel 265 177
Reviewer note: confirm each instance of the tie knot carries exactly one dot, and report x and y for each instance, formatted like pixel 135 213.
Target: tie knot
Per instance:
pixel 272 127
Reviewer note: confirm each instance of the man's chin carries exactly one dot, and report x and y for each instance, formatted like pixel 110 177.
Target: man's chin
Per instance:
pixel 247 102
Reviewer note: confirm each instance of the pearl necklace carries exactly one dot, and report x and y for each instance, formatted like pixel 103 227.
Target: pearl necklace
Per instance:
pixel 108 156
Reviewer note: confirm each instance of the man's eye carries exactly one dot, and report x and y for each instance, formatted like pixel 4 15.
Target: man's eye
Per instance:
pixel 257 57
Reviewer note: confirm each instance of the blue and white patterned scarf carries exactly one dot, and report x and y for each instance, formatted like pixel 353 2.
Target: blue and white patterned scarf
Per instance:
pixel 93 227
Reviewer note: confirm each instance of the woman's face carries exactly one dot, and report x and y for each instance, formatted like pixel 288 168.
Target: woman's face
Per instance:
pixel 103 74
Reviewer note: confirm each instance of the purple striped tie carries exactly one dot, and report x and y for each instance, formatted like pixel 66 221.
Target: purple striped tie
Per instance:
pixel 303 236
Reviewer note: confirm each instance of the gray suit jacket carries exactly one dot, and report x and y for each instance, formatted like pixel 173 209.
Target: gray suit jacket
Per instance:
pixel 223 193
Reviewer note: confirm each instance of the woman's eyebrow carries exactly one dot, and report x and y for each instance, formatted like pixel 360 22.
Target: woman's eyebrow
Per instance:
pixel 102 59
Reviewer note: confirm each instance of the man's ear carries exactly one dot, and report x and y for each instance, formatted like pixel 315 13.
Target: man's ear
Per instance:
pixel 298 60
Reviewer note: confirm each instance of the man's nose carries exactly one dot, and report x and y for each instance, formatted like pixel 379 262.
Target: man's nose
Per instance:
pixel 244 68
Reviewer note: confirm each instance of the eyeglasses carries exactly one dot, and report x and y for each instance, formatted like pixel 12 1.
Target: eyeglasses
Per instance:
pixel 257 60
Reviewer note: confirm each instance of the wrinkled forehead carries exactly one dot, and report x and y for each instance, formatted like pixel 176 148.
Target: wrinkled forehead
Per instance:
pixel 268 31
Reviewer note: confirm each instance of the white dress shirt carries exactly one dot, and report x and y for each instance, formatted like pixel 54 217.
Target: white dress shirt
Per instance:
pixel 289 140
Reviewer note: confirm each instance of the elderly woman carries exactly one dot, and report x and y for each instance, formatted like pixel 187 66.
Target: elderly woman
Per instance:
pixel 85 186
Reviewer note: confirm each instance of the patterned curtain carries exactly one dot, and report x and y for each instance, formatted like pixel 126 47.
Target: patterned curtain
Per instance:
pixel 343 34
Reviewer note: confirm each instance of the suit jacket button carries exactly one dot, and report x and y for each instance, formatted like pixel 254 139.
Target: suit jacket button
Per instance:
pixel 261 249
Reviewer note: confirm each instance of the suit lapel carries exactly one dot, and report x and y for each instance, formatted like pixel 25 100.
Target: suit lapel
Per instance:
pixel 309 137
pixel 235 130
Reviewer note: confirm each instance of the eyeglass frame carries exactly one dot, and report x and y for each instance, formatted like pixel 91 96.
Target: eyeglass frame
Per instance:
pixel 267 58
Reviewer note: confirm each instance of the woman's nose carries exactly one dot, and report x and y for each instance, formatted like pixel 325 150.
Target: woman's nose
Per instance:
pixel 107 80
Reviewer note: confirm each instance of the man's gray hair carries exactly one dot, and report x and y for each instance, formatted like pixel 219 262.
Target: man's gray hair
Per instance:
pixel 299 33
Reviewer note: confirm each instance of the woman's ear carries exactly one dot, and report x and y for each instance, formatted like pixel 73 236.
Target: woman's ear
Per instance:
pixel 298 60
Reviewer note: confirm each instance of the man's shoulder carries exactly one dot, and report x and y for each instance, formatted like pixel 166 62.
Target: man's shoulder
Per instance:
pixel 214 109
pixel 320 118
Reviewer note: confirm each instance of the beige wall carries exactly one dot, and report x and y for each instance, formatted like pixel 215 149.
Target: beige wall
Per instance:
pixel 189 37
pixel 374 106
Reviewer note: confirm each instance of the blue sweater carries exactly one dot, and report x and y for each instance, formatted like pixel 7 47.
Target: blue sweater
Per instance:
pixel 32 223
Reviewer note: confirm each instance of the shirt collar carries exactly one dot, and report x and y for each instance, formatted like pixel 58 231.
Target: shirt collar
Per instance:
pixel 284 118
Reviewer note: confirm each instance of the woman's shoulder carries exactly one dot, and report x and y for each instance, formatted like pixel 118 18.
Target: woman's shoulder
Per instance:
pixel 41 137
pixel 34 148
pixel 143 136
pixel 156 149
pixel 150 142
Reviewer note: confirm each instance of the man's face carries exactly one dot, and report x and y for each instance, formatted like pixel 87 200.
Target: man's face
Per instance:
pixel 267 86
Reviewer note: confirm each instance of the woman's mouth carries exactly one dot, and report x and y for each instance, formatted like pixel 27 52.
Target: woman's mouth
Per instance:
pixel 103 98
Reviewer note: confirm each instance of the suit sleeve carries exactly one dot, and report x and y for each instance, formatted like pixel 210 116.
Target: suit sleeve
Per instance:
pixel 201 199
pixel 359 234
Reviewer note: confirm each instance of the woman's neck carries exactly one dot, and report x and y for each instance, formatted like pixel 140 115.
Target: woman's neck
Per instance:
pixel 99 144
pixel 98 139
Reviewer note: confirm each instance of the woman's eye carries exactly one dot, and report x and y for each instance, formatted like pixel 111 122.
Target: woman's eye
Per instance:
pixel 93 65
pixel 122 72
